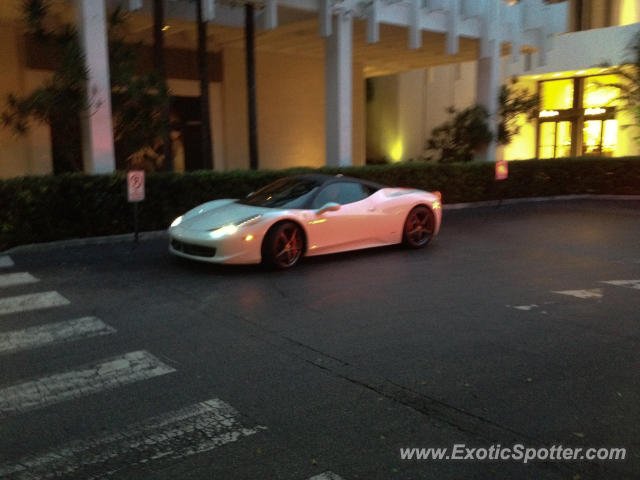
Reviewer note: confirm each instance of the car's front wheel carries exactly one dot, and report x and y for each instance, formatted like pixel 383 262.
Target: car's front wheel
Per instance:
pixel 418 227
pixel 283 246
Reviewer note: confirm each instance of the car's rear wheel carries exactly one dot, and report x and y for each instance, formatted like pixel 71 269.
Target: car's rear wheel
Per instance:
pixel 283 245
pixel 418 227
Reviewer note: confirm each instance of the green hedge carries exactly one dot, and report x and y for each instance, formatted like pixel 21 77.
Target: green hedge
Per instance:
pixel 40 209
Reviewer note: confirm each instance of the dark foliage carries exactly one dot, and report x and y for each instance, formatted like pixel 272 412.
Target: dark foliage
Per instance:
pixel 630 85
pixel 514 102
pixel 463 136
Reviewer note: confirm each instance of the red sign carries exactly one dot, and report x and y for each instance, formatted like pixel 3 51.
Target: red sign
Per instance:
pixel 502 170
pixel 135 185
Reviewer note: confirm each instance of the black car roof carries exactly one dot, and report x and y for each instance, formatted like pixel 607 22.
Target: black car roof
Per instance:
pixel 322 179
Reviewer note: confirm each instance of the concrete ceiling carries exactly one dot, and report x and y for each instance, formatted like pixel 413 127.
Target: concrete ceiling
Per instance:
pixel 297 34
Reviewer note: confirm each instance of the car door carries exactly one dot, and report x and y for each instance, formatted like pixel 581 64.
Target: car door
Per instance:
pixel 345 228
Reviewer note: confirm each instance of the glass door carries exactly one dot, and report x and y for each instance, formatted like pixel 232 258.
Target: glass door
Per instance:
pixel 599 137
pixel 555 139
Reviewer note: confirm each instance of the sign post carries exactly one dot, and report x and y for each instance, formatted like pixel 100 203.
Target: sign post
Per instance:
pixel 502 173
pixel 135 195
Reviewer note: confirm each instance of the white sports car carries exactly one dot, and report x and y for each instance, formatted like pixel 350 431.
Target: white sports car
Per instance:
pixel 305 215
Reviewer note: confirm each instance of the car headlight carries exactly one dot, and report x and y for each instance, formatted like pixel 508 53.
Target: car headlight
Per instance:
pixel 232 228
pixel 223 231
pixel 177 221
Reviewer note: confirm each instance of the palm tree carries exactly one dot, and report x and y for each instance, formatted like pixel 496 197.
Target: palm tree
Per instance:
pixel 629 86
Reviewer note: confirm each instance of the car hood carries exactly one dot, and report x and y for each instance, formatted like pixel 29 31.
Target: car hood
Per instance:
pixel 219 213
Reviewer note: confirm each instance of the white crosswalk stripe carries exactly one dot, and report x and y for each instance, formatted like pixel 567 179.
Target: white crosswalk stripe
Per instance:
pixel 49 334
pixel 5 261
pixel 195 429
pixel 31 301
pixel 589 293
pixel 624 283
pixel 18 278
pixel 188 431
pixel 105 375
pixel 326 476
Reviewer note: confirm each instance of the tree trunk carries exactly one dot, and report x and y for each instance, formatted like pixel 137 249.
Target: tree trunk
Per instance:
pixel 158 57
pixel 251 85
pixel 203 66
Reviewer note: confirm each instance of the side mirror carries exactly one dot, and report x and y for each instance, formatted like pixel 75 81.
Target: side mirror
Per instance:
pixel 328 207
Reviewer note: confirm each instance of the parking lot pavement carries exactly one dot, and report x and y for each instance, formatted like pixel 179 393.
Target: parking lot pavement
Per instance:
pixel 517 326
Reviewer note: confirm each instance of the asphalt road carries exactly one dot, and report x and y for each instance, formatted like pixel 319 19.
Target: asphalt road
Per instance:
pixel 177 370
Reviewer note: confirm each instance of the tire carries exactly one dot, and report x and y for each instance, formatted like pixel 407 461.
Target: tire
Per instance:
pixel 283 246
pixel 418 227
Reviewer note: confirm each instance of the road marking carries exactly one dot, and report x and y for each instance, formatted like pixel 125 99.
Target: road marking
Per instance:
pixel 326 476
pixel 18 278
pixel 191 430
pixel 5 261
pixel 31 301
pixel 525 307
pixel 624 283
pixel 628 260
pixel 106 375
pixel 590 293
pixel 59 332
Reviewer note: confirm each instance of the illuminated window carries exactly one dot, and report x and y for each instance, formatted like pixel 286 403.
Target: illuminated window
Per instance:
pixel 557 94
pixel 555 139
pixel 629 12
pixel 610 136
pixel 563 139
pixel 591 137
pixel 598 93
pixel 600 137
pixel 593 112
pixel 547 139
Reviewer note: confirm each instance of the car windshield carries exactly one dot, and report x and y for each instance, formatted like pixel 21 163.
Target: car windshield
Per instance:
pixel 283 193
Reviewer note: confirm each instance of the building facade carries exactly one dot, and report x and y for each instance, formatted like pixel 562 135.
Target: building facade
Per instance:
pixel 336 82
pixel 579 111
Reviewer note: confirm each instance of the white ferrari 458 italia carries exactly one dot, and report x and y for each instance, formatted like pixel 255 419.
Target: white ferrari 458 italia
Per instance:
pixel 305 215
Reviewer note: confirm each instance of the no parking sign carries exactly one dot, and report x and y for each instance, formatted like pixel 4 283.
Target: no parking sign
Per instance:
pixel 502 170
pixel 135 194
pixel 135 185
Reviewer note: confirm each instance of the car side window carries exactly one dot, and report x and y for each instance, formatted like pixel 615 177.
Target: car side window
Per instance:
pixel 340 192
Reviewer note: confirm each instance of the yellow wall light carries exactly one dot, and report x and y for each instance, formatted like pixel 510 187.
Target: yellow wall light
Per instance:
pixel 594 111
pixel 396 151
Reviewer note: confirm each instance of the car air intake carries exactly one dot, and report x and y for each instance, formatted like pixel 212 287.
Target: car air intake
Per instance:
pixel 191 249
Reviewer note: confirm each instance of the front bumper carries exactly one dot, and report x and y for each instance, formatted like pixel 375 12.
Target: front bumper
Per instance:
pixel 241 247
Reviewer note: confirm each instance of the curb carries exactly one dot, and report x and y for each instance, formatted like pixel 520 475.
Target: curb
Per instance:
pixel 155 234
pixel 81 242
pixel 513 201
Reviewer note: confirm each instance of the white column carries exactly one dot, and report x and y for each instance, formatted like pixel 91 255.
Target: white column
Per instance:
pixel 97 126
pixel 338 91
pixel 488 78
